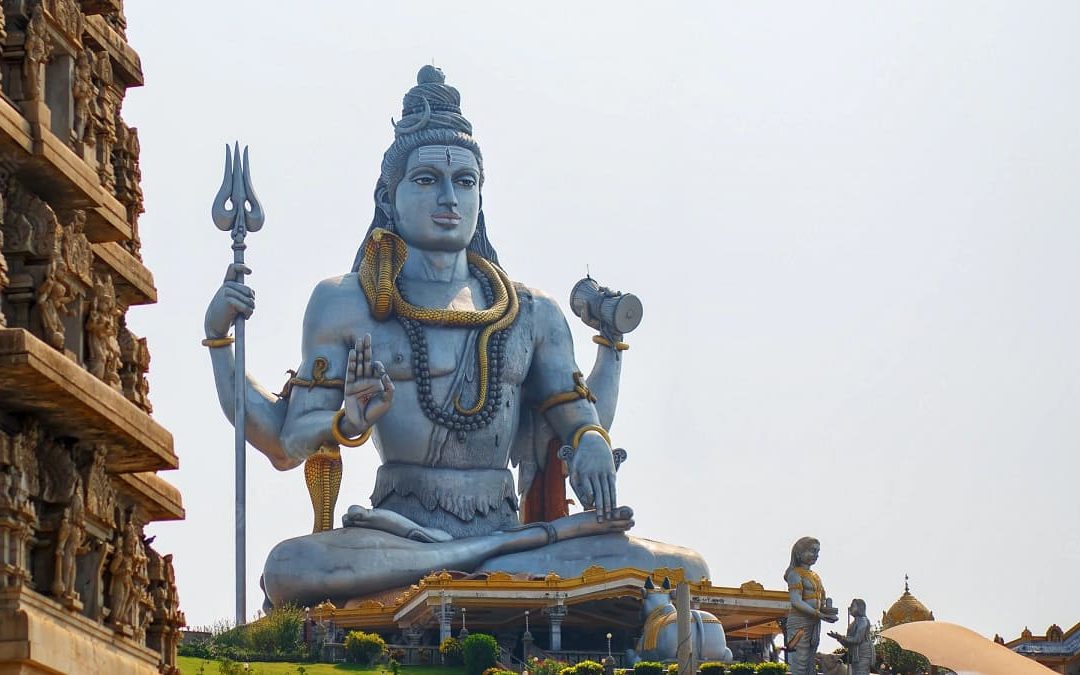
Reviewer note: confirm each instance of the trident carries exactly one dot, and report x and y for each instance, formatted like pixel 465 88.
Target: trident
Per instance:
pixel 237 209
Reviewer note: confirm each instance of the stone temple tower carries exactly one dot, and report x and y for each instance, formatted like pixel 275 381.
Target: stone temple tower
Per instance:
pixel 81 589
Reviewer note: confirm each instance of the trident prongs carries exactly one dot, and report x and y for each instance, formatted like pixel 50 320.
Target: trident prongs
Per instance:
pixel 246 214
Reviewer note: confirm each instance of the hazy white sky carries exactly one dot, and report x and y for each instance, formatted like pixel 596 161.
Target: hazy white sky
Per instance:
pixel 855 228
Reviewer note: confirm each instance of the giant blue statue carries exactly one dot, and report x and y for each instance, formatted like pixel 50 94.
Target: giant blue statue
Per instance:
pixel 454 371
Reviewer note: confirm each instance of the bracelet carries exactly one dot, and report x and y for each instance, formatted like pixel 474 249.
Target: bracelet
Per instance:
pixel 589 427
pixel 341 438
pixel 604 342
pixel 214 343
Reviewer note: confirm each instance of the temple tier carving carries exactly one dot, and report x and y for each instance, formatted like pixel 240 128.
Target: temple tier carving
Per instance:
pixel 76 492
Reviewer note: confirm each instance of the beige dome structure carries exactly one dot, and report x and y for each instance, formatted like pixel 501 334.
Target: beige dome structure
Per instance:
pixel 905 610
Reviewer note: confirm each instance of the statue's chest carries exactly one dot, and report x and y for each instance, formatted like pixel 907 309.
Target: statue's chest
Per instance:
pixel 444 351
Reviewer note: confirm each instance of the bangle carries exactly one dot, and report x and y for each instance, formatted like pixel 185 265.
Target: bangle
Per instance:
pixel 604 342
pixel 589 427
pixel 214 343
pixel 341 438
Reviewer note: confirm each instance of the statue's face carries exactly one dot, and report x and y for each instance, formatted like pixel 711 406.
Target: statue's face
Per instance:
pixel 854 610
pixel 809 554
pixel 438 200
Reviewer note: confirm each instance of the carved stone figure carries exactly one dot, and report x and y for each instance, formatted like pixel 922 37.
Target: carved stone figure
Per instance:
pixel 809 607
pixel 103 345
pixel 100 494
pixel 82 93
pixel 57 470
pixel 105 106
pixel 659 640
pixel 53 296
pixel 66 14
pixel 37 51
pixel 448 363
pixel 76 248
pixel 858 642
pixel 128 569
pixel 4 279
pixel 70 543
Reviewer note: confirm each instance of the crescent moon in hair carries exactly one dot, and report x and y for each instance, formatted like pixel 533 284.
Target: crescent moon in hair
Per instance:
pixel 425 117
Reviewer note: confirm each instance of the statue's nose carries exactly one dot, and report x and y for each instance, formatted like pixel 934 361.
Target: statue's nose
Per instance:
pixel 447 196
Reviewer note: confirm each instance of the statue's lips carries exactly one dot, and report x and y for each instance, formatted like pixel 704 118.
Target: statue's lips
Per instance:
pixel 446 219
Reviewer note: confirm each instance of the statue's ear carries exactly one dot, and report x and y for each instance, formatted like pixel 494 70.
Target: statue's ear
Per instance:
pixel 382 200
pixel 666 585
pixel 649 585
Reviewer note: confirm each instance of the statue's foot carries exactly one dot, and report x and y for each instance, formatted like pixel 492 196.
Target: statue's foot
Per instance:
pixel 392 522
pixel 585 524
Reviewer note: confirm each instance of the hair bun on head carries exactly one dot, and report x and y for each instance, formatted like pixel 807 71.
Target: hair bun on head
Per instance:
pixel 430 75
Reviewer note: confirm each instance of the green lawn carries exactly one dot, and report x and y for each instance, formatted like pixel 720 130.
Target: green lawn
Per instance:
pixel 191 666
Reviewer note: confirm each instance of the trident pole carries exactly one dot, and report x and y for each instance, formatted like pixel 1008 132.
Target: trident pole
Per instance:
pixel 237 210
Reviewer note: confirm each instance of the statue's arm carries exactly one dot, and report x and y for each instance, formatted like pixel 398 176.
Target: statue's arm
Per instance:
pixel 795 595
pixel 603 381
pixel 592 469
pixel 264 411
pixel 311 409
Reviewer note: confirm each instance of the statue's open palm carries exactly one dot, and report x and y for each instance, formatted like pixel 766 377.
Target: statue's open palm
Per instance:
pixel 368 389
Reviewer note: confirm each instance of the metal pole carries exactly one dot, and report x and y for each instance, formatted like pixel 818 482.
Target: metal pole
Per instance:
pixel 244 215
pixel 240 463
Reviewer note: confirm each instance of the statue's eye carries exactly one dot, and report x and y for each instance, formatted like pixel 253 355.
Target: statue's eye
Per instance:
pixel 466 181
pixel 424 179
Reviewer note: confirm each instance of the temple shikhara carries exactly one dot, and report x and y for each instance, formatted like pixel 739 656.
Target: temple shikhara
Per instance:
pixel 81 588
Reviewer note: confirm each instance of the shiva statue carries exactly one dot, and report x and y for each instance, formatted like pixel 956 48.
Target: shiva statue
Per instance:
pixel 860 649
pixel 453 371
pixel 809 607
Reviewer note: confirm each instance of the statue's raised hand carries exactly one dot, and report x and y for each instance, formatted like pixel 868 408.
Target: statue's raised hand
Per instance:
pixel 368 389
pixel 231 300
pixel 592 475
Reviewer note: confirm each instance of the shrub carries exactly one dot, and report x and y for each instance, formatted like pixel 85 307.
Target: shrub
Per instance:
pixel 772 669
pixel 479 652
pixel 498 671
pixel 363 648
pixel 673 669
pixel 450 648
pixel 588 668
pixel 648 668
pixel 278 632
pixel 545 667
pixel 712 668
pixel 569 670
pixel 742 669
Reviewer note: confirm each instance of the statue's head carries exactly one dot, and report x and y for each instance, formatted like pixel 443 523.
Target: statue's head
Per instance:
pixel 858 607
pixel 805 552
pixel 428 191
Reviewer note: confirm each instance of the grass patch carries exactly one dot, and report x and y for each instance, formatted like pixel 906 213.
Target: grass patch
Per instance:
pixel 190 666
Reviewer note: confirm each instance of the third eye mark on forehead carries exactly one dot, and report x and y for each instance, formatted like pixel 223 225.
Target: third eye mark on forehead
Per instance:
pixel 451 155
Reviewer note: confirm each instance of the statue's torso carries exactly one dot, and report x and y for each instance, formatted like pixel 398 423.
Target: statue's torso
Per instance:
pixel 405 435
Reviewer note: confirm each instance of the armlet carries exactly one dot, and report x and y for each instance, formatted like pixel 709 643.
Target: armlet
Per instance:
pixel 318 378
pixel 580 391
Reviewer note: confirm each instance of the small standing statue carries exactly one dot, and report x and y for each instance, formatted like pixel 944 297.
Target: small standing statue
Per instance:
pixel 809 607
pixel 857 640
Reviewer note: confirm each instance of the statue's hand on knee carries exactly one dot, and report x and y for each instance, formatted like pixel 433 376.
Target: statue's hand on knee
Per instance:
pixel 592 475
pixel 368 389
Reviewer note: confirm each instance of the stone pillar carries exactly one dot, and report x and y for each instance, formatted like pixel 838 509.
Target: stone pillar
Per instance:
pixel 556 614
pixel 445 614
pixel 526 646
pixel 686 648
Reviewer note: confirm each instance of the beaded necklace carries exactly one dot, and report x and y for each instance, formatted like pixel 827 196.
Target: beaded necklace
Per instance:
pixel 454 417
